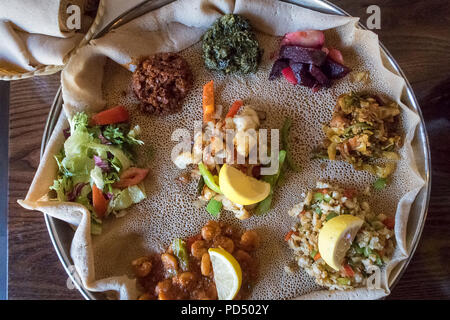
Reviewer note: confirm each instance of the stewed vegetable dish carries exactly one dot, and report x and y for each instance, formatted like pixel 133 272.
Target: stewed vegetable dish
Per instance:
pixel 362 130
pixel 184 271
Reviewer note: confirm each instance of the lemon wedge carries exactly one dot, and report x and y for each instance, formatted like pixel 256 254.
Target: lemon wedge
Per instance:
pixel 336 237
pixel 240 188
pixel 227 273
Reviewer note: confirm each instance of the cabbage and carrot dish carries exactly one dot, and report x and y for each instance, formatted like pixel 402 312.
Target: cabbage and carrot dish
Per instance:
pixel 96 165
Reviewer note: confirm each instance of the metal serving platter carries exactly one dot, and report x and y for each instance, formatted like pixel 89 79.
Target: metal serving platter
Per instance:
pixel 61 233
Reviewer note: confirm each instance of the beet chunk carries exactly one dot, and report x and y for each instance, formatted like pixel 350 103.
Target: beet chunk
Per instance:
pixel 301 71
pixel 304 55
pixel 334 70
pixel 278 65
pixel 319 76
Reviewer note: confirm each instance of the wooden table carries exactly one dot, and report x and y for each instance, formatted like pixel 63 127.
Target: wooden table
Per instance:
pixel 416 32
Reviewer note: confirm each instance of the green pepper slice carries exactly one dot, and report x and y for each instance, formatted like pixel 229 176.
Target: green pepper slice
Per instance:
pixel 344 281
pixel 179 249
pixel 208 178
pixel 214 207
pixel 265 205
pixel 331 215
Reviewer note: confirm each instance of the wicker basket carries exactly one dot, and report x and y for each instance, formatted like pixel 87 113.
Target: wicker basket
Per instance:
pixel 50 69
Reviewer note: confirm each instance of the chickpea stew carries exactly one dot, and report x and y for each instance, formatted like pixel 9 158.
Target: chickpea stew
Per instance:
pixel 184 270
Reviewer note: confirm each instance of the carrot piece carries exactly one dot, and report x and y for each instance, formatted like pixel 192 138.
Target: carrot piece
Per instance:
pixel 288 235
pixel 234 108
pixel 208 101
pixel 350 193
pixel 317 256
pixel 99 201
pixel 114 115
pixel 131 177
pixel 349 271
pixel 389 223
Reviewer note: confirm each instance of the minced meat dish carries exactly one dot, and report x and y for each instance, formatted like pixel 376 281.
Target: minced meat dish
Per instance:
pixel 161 82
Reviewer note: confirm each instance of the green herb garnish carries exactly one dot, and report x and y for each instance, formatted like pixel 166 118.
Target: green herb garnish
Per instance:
pixel 318 211
pixel 344 281
pixel 367 252
pixel 379 261
pixel 318 197
pixel 380 184
pixel 331 216
pixel 357 248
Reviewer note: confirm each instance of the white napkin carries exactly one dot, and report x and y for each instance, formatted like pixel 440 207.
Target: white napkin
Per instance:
pixel 35 33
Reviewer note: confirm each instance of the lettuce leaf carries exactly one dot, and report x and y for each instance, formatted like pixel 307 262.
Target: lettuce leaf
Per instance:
pixel 97 178
pixel 123 199
pixel 96 227
pixel 102 151
pixel 85 198
pixel 79 121
pixel 62 186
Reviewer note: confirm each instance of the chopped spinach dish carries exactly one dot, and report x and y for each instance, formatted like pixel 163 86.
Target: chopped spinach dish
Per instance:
pixel 230 46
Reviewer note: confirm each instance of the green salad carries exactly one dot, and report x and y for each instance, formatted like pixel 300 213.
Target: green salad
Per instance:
pixel 96 165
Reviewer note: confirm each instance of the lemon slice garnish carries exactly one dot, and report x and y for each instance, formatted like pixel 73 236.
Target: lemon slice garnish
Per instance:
pixel 227 273
pixel 240 188
pixel 336 237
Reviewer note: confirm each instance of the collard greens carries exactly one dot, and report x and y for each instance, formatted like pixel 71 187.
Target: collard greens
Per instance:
pixel 230 46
